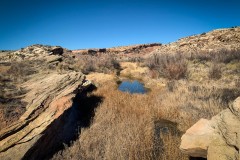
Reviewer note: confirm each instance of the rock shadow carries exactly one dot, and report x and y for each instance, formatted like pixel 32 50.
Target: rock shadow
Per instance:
pixel 66 129
pixel 163 127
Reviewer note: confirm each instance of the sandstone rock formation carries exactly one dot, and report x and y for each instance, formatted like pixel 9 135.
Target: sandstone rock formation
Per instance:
pixel 218 138
pixel 33 52
pixel 49 98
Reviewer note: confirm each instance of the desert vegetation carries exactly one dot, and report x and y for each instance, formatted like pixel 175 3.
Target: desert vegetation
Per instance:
pixel 128 127
pixel 104 63
pixel 177 66
pixel 135 126
pixel 12 75
pixel 215 71
pixel 182 88
pixel 171 66
pixel 149 126
pixel 220 56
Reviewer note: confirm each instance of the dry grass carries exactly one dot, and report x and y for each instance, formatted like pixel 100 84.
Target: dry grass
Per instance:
pixel 104 63
pixel 133 70
pixel 148 126
pixel 129 126
pixel 13 74
pixel 215 71
pixel 171 66
pixel 19 71
pixel 176 66
pixel 220 56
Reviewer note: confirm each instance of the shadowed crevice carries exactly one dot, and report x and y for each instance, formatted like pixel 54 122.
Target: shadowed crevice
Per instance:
pixel 65 129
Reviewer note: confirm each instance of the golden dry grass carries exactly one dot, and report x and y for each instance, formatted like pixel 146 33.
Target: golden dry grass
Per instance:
pixel 125 125
pixel 130 69
pixel 100 78
pixel 103 63
pixel 131 126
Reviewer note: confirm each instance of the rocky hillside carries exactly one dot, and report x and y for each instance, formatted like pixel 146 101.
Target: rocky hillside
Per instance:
pixel 218 39
pixel 228 38
pixel 36 98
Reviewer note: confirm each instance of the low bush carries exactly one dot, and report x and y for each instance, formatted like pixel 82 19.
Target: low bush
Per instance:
pixel 215 71
pixel 135 59
pixel 171 66
pixel 220 56
pixel 154 61
pixel 101 63
pixel 11 106
pixel 19 71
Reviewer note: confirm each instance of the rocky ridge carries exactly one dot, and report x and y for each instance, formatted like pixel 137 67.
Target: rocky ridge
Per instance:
pixel 215 40
pixel 119 50
pixel 49 95
pixel 122 53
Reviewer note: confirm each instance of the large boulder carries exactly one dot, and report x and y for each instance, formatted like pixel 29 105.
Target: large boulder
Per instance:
pixel 218 138
pixel 196 140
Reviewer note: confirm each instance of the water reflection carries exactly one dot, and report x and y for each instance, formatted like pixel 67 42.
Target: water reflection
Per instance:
pixel 132 87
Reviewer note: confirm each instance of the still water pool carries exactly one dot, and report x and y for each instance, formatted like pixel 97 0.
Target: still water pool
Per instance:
pixel 132 87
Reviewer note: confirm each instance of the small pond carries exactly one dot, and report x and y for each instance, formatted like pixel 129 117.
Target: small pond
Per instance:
pixel 132 87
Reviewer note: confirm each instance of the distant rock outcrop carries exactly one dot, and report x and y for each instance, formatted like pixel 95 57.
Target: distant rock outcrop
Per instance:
pixel 133 52
pixel 215 40
pixel 125 50
pixel 218 138
pixel 33 52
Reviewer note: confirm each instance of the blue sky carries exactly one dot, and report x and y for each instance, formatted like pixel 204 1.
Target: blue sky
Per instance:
pixel 106 23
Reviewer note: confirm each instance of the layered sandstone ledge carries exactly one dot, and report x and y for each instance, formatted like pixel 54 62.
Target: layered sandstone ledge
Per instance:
pixel 48 97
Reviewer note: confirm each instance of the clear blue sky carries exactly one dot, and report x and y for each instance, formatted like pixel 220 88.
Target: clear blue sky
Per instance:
pixel 107 23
